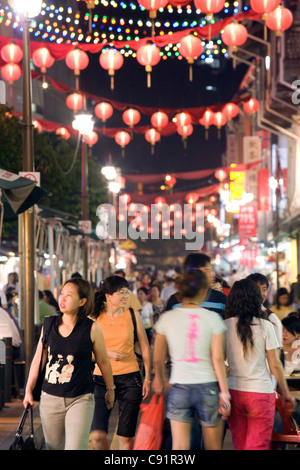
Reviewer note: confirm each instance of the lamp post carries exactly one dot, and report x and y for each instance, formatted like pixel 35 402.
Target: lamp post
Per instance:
pixel 27 9
pixel 84 124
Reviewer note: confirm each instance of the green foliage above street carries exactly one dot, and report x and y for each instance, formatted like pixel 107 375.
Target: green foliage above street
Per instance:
pixel 59 163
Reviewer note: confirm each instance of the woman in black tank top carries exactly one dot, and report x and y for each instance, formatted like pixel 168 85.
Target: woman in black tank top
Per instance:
pixel 67 390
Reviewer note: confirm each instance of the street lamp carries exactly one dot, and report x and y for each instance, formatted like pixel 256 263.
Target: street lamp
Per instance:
pixel 84 124
pixel 27 9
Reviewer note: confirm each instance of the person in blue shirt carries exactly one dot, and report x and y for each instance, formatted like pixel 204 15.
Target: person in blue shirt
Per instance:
pixel 216 300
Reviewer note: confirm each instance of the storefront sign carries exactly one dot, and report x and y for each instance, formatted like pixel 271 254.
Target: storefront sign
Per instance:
pixel 247 223
pixel 264 190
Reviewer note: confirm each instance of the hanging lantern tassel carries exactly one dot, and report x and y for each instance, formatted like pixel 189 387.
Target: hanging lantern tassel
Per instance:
pixel 206 132
pixel 191 61
pixel 278 38
pixel 184 140
pixel 148 69
pixel 90 5
pixel 152 16
pixel 111 72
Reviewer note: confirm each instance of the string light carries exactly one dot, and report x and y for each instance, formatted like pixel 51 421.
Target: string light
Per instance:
pixel 66 24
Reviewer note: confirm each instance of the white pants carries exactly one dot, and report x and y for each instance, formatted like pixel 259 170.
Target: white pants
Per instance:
pixel 67 421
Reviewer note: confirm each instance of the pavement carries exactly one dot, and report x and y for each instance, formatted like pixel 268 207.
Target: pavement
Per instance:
pixel 11 413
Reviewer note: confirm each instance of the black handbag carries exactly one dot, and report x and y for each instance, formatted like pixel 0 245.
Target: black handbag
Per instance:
pixel 36 393
pixel 29 443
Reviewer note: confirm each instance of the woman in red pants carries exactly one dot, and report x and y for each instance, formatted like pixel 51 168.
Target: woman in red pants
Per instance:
pixel 251 343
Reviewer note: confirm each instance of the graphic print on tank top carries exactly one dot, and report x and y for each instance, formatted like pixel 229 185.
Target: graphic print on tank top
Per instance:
pixel 191 338
pixel 53 375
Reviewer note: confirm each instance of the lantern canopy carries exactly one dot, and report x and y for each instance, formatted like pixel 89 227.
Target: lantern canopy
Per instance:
pixel 111 60
pixel 159 120
pixel 234 35
pixel 148 56
pixel 104 110
pixel 11 52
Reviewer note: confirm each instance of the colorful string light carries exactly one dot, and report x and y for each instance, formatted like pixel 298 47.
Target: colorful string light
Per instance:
pixel 64 24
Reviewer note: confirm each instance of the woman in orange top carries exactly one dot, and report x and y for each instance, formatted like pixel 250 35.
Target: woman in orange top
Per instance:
pixel 118 331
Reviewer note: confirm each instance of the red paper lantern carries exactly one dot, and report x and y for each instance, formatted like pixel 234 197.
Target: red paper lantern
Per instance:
pixel 111 60
pixel 191 198
pixel 221 175
pixel 182 119
pixel 264 6
pixel 77 60
pixel 190 47
pixel 279 19
pixel 159 201
pixel 159 120
pixel 11 72
pixel 125 198
pixel 219 119
pixel 92 138
pixel 148 56
pixel 207 118
pixel 75 101
pixel 104 110
pixel 170 180
pixel 63 132
pixel 209 6
pixel 231 110
pixel 37 125
pixel 122 138
pixel 251 106
pixel 152 136
pixel 42 58
pixel 185 130
pixel 234 35
pixel 131 117
pixel 153 6
pixel 11 52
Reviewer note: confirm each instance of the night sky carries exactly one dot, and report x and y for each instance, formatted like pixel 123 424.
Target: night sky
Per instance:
pixel 170 87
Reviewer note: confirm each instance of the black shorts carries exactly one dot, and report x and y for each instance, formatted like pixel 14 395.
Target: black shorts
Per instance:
pixel 128 393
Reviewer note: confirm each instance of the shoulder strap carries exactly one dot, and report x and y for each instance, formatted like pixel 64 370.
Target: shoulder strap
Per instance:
pixel 48 322
pixel 134 324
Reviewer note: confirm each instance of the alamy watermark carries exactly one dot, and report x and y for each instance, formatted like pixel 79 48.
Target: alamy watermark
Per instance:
pixel 138 221
pixel 296 93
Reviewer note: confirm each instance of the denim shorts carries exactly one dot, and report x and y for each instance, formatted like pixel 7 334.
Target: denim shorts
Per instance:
pixel 186 399
pixel 128 393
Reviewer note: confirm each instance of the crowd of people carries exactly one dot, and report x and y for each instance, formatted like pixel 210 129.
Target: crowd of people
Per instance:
pixel 216 350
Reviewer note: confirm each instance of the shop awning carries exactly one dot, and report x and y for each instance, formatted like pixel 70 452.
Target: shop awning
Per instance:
pixel 19 193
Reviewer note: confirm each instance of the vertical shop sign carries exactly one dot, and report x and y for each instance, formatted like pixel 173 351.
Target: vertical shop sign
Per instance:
pixel 264 190
pixel 247 223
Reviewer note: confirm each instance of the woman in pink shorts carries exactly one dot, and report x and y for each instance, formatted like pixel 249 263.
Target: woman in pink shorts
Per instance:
pixel 251 345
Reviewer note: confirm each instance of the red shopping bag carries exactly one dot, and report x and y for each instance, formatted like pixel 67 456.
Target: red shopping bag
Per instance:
pixel 150 430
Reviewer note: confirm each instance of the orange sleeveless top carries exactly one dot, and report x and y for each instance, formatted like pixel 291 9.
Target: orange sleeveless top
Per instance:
pixel 118 335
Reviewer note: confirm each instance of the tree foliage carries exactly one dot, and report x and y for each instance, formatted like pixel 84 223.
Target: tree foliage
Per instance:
pixel 59 164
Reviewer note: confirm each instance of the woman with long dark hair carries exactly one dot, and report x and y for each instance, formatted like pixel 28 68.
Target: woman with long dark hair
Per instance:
pixel 194 338
pixel 118 329
pixel 251 342
pixel 67 400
